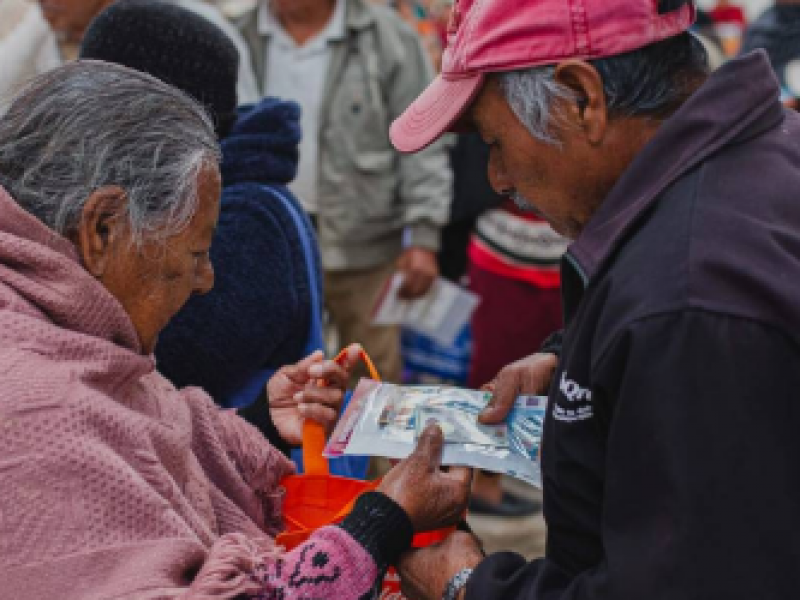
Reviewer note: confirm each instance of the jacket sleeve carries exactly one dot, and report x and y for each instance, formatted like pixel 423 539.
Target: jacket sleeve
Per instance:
pixel 701 477
pixel 426 179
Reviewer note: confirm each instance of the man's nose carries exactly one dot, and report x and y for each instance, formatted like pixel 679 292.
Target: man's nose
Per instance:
pixel 205 280
pixel 498 180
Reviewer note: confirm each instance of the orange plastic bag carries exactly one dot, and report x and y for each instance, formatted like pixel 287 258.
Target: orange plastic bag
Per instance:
pixel 317 498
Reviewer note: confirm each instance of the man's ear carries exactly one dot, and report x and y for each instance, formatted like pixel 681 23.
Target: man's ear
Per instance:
pixel 100 228
pixel 588 111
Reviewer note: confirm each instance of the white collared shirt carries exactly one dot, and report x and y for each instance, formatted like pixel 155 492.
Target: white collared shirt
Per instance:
pixel 298 73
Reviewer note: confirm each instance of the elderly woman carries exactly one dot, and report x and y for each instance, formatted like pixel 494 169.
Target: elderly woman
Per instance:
pixel 113 484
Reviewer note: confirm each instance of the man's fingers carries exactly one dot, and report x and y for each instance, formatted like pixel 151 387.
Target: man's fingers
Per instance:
pixel 430 446
pixel 506 389
pixel 531 375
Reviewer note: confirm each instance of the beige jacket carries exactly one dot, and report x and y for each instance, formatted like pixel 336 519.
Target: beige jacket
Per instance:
pixel 370 196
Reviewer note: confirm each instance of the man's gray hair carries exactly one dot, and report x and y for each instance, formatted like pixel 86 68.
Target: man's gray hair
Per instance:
pixel 532 95
pixel 652 81
pixel 88 125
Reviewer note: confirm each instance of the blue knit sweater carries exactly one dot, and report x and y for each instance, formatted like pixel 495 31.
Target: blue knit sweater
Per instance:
pixel 258 316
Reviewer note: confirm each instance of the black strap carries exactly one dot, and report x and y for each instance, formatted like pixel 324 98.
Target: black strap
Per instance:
pixel 667 6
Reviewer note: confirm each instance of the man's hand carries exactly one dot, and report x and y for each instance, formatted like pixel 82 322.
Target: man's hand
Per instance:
pixel 424 573
pixel 530 375
pixel 432 498
pixel 295 393
pixel 419 269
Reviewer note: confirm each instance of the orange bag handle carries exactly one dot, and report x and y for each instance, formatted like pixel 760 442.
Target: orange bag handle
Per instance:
pixel 314 439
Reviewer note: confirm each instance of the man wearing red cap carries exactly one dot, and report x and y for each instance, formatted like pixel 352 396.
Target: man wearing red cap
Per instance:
pixel 670 448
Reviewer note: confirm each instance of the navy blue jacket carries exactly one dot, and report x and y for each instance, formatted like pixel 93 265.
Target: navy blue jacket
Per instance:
pixel 258 315
pixel 671 452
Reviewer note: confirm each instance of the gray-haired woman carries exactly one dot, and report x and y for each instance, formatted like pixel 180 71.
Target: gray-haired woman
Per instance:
pixel 113 484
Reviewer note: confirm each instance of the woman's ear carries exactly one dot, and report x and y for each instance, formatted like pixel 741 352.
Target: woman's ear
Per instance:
pixel 587 111
pixel 100 227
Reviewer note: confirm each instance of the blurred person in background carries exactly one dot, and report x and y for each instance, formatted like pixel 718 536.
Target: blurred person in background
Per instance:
pixel 728 13
pixel 510 258
pixel 260 316
pixel 729 23
pixel 421 17
pixel 777 31
pixel 514 257
pixel 27 46
pixel 353 67
pixel 70 18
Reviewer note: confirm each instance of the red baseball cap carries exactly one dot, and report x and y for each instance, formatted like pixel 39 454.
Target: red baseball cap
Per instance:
pixel 487 36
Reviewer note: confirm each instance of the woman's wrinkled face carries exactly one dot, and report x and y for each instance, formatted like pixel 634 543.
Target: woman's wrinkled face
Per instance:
pixel 71 17
pixel 153 281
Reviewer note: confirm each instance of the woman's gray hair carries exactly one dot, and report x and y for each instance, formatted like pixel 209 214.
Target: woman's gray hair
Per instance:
pixel 652 81
pixel 88 125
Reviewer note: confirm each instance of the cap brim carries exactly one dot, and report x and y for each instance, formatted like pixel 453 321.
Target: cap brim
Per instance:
pixel 435 112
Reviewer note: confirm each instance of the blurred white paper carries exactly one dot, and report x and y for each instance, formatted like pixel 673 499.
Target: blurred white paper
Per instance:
pixel 441 314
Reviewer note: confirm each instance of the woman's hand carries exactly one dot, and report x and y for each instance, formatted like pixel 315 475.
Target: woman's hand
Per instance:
pixel 297 393
pixel 432 498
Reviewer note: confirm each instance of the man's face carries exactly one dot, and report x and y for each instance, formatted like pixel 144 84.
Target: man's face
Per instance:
pixel 70 18
pixel 153 282
pixel 550 177
pixel 566 181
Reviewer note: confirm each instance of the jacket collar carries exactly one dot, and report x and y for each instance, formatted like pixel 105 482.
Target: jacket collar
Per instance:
pixel 738 102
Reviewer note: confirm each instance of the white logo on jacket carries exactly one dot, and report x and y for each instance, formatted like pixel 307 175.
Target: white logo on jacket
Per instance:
pixel 574 393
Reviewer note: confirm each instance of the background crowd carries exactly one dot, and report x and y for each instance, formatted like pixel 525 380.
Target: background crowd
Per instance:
pixel 319 211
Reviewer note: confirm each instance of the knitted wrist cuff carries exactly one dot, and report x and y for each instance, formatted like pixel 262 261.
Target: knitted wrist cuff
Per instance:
pixel 258 415
pixel 381 527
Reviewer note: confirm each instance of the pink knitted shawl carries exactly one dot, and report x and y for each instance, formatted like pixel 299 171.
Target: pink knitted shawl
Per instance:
pixel 112 483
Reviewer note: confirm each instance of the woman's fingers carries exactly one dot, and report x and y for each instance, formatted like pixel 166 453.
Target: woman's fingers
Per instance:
pixel 461 475
pixel 351 357
pixel 333 374
pixel 330 397
pixel 299 373
pixel 324 415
